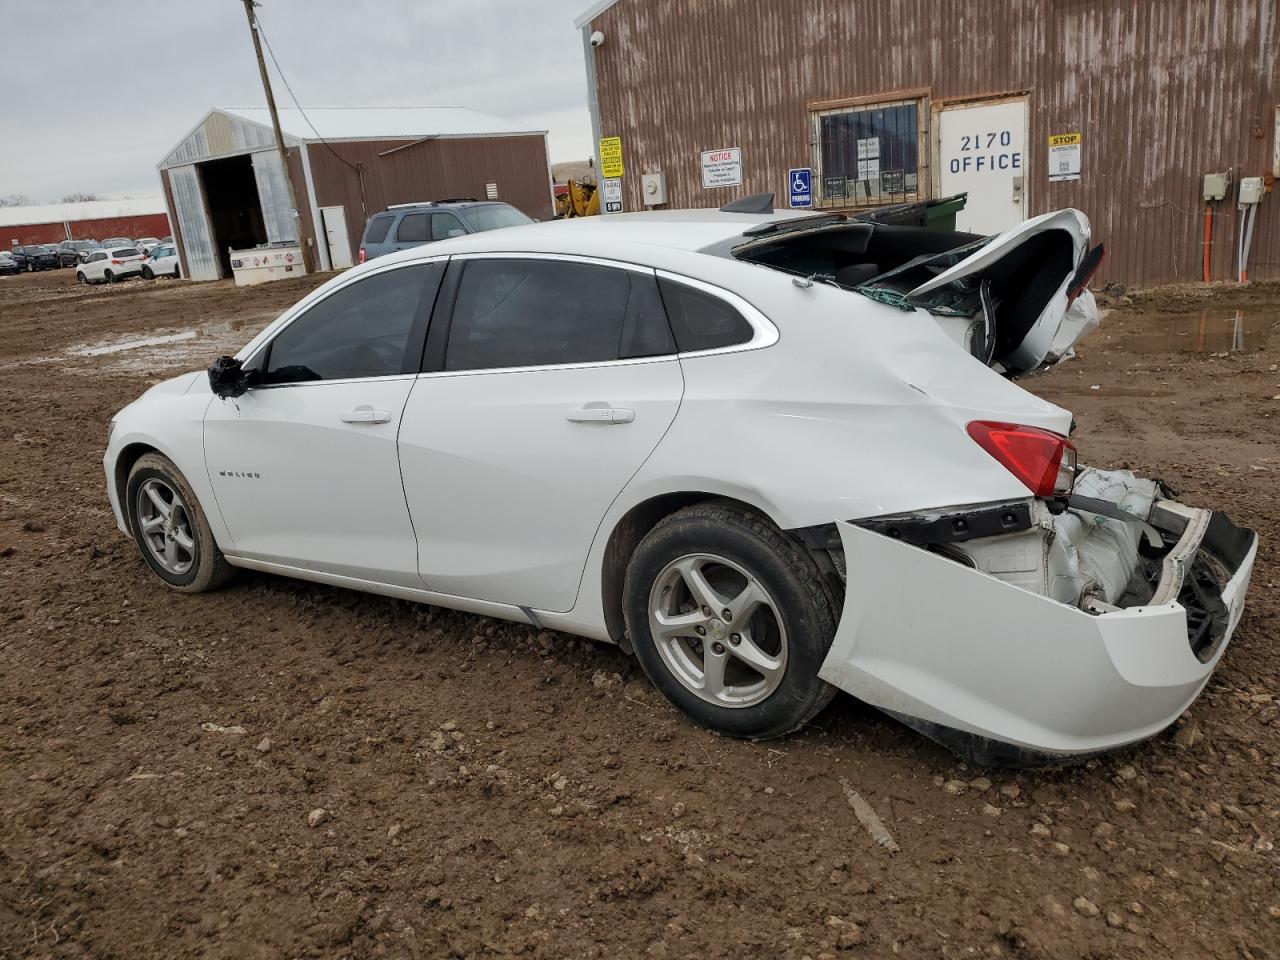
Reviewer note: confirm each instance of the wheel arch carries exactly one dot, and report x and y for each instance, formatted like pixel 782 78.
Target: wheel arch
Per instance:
pixel 626 535
pixel 129 455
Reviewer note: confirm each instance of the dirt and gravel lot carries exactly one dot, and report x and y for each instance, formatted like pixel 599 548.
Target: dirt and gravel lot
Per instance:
pixel 284 770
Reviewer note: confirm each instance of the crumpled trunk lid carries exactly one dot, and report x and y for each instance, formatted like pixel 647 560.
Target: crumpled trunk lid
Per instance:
pixel 1015 301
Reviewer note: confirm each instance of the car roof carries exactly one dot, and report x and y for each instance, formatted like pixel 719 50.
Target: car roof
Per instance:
pixel 639 233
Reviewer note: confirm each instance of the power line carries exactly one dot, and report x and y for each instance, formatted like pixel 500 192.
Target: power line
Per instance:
pixel 285 80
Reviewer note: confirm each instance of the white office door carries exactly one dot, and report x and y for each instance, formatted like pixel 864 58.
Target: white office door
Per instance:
pixel 335 234
pixel 982 152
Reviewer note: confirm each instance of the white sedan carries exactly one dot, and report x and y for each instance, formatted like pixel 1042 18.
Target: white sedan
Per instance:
pixel 109 265
pixel 772 456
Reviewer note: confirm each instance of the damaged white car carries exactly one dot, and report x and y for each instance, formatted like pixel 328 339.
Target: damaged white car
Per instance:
pixel 774 456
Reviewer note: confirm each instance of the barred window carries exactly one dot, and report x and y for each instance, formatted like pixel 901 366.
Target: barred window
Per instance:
pixel 869 154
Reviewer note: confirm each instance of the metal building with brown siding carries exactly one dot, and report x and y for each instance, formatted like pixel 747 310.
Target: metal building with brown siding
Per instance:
pixel 224 185
pixel 886 100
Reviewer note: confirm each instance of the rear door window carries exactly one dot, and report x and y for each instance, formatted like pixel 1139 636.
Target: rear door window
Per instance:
pixel 412 229
pixel 701 321
pixel 378 227
pixel 366 329
pixel 521 313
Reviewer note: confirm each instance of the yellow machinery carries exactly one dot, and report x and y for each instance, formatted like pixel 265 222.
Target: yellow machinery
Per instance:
pixel 577 199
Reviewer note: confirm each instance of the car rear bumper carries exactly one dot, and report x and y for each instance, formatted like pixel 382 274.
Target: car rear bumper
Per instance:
pixel 1003 674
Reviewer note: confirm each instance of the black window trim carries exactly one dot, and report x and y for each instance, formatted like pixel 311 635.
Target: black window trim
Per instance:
pixel 418 332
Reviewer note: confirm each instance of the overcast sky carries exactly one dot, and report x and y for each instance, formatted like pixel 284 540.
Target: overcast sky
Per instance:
pixel 94 93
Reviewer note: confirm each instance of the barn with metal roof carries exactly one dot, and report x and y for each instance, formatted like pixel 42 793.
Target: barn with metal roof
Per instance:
pixel 225 188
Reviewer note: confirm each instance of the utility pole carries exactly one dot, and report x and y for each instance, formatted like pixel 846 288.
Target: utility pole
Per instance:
pixel 308 260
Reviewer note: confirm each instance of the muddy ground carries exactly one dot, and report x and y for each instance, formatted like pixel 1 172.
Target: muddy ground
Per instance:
pixel 486 789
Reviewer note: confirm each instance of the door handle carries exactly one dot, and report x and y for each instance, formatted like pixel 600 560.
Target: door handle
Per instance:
pixel 366 415
pixel 600 413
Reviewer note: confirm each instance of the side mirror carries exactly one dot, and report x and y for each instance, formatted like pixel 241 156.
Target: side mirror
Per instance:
pixel 227 378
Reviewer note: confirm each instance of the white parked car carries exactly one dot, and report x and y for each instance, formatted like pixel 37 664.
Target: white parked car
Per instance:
pixel 146 244
pixel 108 266
pixel 774 456
pixel 161 261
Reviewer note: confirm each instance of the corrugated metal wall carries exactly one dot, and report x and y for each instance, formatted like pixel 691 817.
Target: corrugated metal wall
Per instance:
pixel 273 194
pixel 200 259
pixel 218 135
pixel 1162 91
pixel 431 170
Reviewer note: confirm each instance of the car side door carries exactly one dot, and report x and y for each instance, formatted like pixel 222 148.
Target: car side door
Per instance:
pixel 548 382
pixel 304 465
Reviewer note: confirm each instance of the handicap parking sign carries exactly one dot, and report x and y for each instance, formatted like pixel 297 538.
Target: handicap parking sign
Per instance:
pixel 800 180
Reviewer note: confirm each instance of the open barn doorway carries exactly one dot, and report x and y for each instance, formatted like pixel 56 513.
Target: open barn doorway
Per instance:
pixel 235 212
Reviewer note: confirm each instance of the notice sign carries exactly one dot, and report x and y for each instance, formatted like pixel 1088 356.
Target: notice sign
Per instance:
pixel 611 156
pixel 721 168
pixel 834 188
pixel 611 194
pixel 1064 156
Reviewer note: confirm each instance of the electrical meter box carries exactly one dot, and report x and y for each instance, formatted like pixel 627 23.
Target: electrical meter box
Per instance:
pixel 1215 185
pixel 653 188
pixel 1251 189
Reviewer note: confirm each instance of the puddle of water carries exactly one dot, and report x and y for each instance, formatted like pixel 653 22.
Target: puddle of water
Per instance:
pixel 1212 331
pixel 119 346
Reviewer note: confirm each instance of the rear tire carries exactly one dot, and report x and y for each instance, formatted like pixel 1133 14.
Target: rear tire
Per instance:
pixel 109 277
pixel 753 673
pixel 170 527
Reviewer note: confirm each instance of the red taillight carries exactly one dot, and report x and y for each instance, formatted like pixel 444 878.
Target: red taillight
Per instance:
pixel 1044 461
pixel 1084 273
pixel 116 263
pixel 362 254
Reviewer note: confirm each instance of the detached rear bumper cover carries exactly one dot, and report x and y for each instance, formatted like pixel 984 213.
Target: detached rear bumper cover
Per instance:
pixel 1007 675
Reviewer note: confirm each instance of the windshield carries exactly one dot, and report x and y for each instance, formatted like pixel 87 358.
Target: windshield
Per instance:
pixel 81 244
pixel 492 217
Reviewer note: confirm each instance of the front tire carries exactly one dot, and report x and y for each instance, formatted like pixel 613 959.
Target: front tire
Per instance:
pixel 170 528
pixel 81 278
pixel 731 619
pixel 147 274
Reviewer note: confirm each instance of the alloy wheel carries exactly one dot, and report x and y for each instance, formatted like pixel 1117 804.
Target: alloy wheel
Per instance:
pixel 717 630
pixel 166 526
